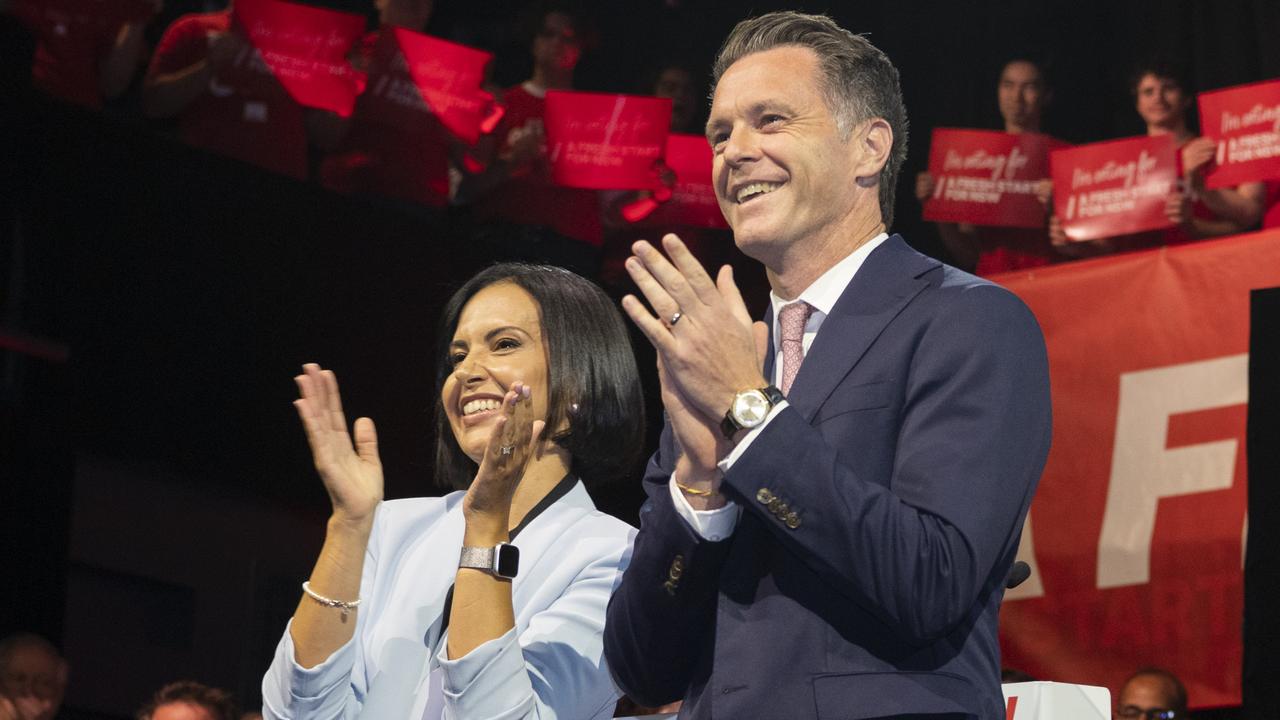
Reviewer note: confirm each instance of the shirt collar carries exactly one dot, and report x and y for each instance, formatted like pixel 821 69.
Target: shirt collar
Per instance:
pixel 823 293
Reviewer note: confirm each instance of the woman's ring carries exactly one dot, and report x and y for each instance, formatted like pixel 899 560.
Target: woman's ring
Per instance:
pixel 675 318
pixel 506 449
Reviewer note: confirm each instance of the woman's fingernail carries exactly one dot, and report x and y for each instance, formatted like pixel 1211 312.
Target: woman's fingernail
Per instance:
pixel 527 392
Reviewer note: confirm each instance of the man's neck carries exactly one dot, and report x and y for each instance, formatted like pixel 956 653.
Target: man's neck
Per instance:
pixel 552 78
pixel 1018 129
pixel 805 262
pixel 1179 132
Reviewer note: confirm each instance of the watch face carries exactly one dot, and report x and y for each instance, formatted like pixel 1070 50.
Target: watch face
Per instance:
pixel 750 408
pixel 508 561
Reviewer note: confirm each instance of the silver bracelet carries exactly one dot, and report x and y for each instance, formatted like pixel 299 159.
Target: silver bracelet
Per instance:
pixel 342 605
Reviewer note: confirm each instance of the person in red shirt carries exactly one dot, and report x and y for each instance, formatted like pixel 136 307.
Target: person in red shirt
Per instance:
pixel 206 74
pixel 517 205
pixel 393 145
pixel 87 51
pixel 1162 101
pixel 1023 93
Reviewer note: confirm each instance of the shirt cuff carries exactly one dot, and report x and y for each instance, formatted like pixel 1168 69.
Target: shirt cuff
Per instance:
pixel 490 681
pixel 750 437
pixel 314 687
pixel 714 525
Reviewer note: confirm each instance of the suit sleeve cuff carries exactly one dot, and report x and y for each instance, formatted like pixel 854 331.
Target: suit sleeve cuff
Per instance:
pixel 749 438
pixel 713 525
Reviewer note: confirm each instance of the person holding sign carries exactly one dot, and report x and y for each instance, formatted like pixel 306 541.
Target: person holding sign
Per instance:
pixel 393 145
pixel 1162 100
pixel 86 52
pixel 207 74
pixel 1022 94
pixel 838 495
pixel 489 601
pixel 521 212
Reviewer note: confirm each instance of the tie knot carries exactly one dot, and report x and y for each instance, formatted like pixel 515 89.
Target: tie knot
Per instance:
pixel 792 319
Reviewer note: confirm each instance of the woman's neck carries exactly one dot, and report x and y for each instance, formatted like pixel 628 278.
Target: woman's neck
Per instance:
pixel 541 475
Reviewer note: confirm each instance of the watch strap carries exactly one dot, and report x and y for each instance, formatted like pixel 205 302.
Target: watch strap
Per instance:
pixel 730 426
pixel 477 558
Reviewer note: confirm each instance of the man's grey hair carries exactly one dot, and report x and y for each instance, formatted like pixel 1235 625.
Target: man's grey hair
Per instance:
pixel 859 82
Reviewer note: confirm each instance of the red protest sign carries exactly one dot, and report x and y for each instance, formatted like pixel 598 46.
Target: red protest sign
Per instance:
pixel 1245 120
pixel 605 142
pixel 449 77
pixel 693 197
pixel 985 177
pixel 1113 188
pixel 306 49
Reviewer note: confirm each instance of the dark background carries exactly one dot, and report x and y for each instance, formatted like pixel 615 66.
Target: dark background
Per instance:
pixel 157 502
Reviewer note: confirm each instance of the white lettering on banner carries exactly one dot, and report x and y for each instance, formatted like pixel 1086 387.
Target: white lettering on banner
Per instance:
pixel 1033 586
pixel 1143 470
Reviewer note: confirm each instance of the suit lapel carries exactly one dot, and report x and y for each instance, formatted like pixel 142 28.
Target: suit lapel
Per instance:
pixel 882 287
pixel 770 354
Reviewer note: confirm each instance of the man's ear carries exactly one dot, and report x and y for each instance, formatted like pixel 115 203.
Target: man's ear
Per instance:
pixel 871 144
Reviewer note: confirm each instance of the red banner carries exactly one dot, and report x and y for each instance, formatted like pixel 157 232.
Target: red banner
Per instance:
pixel 1135 535
pixel 988 178
pixel 606 142
pixel 306 48
pixel 449 77
pixel 1114 188
pixel 1245 120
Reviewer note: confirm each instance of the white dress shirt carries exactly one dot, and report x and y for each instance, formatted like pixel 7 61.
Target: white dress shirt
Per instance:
pixel 822 294
pixel 550 665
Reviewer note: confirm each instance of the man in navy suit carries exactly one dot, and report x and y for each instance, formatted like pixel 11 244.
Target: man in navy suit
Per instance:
pixel 839 491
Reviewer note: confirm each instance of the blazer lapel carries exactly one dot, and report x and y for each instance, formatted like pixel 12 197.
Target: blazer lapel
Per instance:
pixel 884 285
pixel 769 354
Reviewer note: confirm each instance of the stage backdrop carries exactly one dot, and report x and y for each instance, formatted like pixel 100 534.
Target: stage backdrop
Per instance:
pixel 1136 534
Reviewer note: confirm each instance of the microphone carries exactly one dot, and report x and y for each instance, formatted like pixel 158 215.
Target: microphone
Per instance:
pixel 1018 574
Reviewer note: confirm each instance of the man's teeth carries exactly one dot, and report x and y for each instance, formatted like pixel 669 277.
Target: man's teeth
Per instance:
pixel 757 188
pixel 476 406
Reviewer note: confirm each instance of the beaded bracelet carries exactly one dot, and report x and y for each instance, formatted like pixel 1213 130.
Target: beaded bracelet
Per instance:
pixel 342 605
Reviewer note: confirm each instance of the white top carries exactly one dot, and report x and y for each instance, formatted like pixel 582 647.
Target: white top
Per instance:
pixel 822 294
pixel 551 665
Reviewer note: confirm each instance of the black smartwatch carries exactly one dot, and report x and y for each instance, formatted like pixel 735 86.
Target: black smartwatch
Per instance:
pixel 501 560
pixel 749 409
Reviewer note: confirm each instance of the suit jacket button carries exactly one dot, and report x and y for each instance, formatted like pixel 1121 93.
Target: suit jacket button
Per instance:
pixel 764 496
pixel 670 585
pixel 792 520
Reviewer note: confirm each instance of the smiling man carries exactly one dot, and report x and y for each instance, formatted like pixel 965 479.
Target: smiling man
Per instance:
pixel 839 491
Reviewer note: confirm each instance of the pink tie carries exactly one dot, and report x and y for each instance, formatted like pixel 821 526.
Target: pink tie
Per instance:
pixel 791 321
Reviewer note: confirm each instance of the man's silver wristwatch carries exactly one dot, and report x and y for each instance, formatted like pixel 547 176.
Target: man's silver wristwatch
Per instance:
pixel 501 560
pixel 749 409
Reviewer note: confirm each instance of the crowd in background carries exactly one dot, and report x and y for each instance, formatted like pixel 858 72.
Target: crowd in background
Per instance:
pixel 393 148
pixel 204 78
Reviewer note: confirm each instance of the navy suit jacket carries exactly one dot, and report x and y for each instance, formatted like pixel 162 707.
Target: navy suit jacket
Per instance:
pixel 881 512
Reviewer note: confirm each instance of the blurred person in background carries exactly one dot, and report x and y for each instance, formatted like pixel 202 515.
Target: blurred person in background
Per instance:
pixel 189 700
pixel 1023 94
pixel 86 53
pixel 520 213
pixel 1163 99
pixel 207 75
pixel 33 678
pixel 1152 693
pixel 393 145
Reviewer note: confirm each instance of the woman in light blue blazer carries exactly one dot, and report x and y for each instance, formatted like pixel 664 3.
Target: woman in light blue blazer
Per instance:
pixel 490 601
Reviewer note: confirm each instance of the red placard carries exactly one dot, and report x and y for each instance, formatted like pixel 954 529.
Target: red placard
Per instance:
pixel 306 48
pixel 606 142
pixel 449 77
pixel 1245 120
pixel 985 177
pixel 1114 188
pixel 1136 530
pixel 693 197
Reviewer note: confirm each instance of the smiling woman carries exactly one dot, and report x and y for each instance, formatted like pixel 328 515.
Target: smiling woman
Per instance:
pixel 538 393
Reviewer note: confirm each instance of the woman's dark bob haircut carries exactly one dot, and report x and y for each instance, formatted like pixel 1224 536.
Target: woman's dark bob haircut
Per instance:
pixel 590 364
